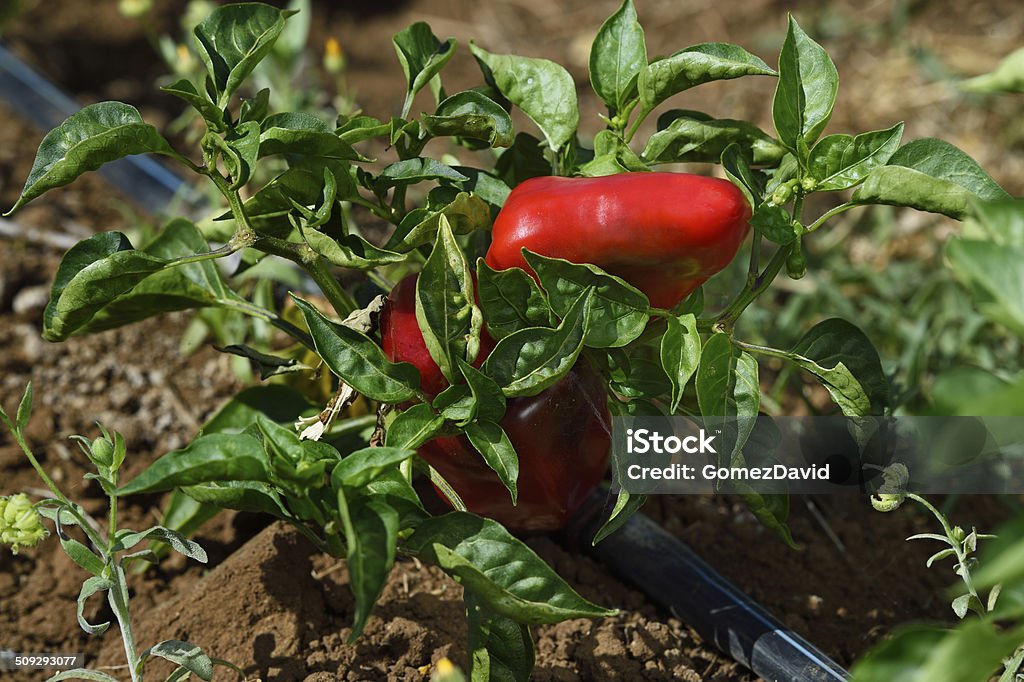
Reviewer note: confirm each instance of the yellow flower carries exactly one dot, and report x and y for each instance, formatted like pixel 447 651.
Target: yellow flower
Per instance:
pixel 20 523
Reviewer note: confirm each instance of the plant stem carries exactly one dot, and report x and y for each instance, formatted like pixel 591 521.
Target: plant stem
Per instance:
pixel 118 598
pixel 754 289
pixel 1013 665
pixel 961 556
pixel 829 214
pixel 270 316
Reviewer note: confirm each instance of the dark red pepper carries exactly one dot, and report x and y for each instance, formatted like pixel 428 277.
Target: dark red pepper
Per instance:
pixel 562 435
pixel 664 233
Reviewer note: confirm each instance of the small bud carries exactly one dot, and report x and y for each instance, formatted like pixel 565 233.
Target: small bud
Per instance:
pixel 334 58
pixel 808 184
pixel 134 9
pixel 102 451
pixel 958 534
pixel 20 523
pixel 782 194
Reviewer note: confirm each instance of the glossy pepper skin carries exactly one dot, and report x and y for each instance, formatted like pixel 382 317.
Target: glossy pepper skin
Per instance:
pixel 562 435
pixel 664 233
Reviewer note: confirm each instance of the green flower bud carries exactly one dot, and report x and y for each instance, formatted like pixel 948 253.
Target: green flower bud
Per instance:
pixel 102 451
pixel 808 184
pixel 20 523
pixel 958 534
pixel 782 194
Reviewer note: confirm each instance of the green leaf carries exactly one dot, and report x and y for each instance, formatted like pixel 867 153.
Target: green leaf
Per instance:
pixel 82 674
pixel 625 506
pixel 694 66
pixel 422 57
pixel 501 650
pixel 211 113
pixel 188 656
pixel 612 156
pixel 511 300
pixel 354 357
pixel 362 466
pixel 727 384
pixel 466 213
pixel 617 56
pixel 96 135
pixel 929 175
pixel 102 282
pixel 371 535
pixel 83 556
pixel 267 365
pixel 972 652
pixel 846 362
pixel 618 312
pixel 233 39
pixel 255 108
pixel 499 570
pixel 842 161
pixel 680 354
pixel 774 223
pixel 541 88
pixel 445 305
pixel 526 362
pixel 474 115
pixel 24 408
pixel 1008 76
pixel 214 457
pixel 736 164
pixel 994 273
pixel 413 427
pixel 91 586
pixel 806 93
pixel 248 496
pixel 522 161
pixel 416 170
pixel 350 251
pixel 1000 221
pixel 297 133
pixel 487 396
pixel 493 444
pixel 691 136
pixel 178 287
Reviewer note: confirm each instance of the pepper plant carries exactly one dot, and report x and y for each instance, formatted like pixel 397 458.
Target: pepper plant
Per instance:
pixel 487 336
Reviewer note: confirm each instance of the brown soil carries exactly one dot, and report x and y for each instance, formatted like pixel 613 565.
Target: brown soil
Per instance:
pixel 269 603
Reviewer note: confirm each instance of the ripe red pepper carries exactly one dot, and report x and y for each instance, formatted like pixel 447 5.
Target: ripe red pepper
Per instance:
pixel 562 435
pixel 664 233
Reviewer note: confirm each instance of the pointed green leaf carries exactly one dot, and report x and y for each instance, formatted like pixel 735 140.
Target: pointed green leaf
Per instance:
pixel 694 66
pixel 233 39
pixel 842 161
pixel 511 300
pixel 96 135
pixel 501 650
pixel 526 362
pixel 354 357
pixel 214 457
pixel 499 569
pixel 806 93
pixel 474 115
pixel 493 444
pixel 371 535
pixel 188 656
pixel 422 57
pixel 541 88
pixel 691 136
pixel 413 427
pixel 680 354
pixel 617 56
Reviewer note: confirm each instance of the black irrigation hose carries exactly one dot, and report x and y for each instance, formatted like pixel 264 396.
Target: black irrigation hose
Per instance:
pixel 142 179
pixel 645 554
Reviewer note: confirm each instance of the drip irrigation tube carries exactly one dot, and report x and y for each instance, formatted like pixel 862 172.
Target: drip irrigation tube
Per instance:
pixel 142 179
pixel 645 554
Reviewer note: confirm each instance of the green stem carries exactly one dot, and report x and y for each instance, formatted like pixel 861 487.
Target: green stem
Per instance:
pixel 223 251
pixel 273 318
pixel 763 350
pixel 751 292
pixel 961 556
pixel 118 599
pixel 636 124
pixel 829 214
